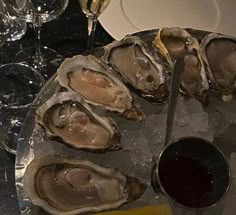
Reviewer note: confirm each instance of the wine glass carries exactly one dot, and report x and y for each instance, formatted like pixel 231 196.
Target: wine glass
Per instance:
pixel 92 9
pixel 19 84
pixel 4 28
pixel 17 26
pixel 38 12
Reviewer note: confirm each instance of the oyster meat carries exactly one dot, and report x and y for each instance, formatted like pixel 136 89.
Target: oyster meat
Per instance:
pixel 219 54
pixel 175 42
pixel 66 117
pixel 64 186
pixel 138 66
pixel 194 81
pixel 98 85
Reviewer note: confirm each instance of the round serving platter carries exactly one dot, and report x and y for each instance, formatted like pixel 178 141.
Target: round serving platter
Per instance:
pixel 32 142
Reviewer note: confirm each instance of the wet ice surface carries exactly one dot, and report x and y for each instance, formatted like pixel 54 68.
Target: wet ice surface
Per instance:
pixel 222 115
pixel 143 141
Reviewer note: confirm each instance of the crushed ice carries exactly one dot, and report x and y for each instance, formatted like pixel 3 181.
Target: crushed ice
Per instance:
pixel 144 142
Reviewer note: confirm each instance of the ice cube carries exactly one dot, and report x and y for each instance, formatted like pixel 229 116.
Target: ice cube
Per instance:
pixel 226 106
pixel 154 120
pixel 147 107
pixel 141 153
pixel 154 132
pixel 128 139
pixel 209 135
pixel 143 146
pixel 228 110
pixel 142 172
pixel 135 155
pixel 194 106
pixel 199 122
pixel 230 117
pixel 182 131
pixel 181 113
pixel 218 122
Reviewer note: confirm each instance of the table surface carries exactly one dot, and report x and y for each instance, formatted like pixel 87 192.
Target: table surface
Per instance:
pixel 67 35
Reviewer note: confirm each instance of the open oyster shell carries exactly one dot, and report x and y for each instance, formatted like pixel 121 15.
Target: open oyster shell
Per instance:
pixel 66 117
pixel 175 42
pixel 65 186
pixel 94 81
pixel 219 54
pixel 138 66
pixel 194 81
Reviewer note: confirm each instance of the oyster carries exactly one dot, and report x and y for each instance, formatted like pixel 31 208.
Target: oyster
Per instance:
pixel 66 117
pixel 65 186
pixel 194 81
pixel 175 42
pixel 94 81
pixel 219 54
pixel 138 66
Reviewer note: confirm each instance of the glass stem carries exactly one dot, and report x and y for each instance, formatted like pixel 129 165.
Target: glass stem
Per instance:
pixel 92 23
pixel 38 54
pixel 4 8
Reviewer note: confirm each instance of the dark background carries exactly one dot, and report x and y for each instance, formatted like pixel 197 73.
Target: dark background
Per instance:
pixel 68 36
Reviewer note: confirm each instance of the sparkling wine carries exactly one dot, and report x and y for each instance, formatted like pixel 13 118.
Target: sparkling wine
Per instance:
pixel 187 181
pixel 93 7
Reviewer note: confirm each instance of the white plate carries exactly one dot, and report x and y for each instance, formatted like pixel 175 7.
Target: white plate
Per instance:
pixel 129 16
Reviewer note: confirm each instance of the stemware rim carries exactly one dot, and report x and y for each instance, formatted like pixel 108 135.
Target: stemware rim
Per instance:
pixel 10 106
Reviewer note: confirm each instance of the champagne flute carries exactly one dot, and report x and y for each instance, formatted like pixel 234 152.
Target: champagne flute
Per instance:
pixel 92 9
pixel 38 12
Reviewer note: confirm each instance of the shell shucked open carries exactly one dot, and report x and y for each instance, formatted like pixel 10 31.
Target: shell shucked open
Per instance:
pixel 66 186
pixel 98 85
pixel 194 81
pixel 219 54
pixel 138 66
pixel 175 42
pixel 66 117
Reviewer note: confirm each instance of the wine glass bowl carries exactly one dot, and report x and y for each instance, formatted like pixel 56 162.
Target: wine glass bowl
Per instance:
pixel 17 26
pixel 38 12
pixel 4 25
pixel 46 11
pixel 19 84
pixel 4 28
pixel 92 9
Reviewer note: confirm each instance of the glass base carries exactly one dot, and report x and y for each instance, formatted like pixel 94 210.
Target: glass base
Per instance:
pixel 19 84
pixel 46 64
pixel 10 126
